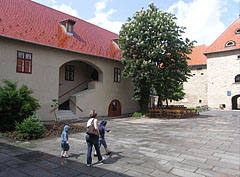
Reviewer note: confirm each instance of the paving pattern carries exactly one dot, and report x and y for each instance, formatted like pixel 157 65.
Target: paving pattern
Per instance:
pixel 208 145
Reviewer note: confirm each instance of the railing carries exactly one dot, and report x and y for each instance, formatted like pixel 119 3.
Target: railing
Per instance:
pixel 76 105
pixel 73 88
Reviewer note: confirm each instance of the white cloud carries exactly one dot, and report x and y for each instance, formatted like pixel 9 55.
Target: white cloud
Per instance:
pixel 102 18
pixel 201 18
pixel 66 9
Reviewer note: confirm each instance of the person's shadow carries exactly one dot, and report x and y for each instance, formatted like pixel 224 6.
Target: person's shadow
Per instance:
pixel 75 155
pixel 113 157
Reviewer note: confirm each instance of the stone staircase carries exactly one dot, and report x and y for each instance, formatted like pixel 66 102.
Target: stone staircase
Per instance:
pixel 66 115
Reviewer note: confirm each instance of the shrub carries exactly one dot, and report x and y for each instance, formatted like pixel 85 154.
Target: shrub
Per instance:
pixel 31 127
pixel 15 104
pixel 137 114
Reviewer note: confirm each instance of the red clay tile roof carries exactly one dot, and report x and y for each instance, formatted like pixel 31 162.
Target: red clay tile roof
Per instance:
pixel 197 56
pixel 33 22
pixel 228 35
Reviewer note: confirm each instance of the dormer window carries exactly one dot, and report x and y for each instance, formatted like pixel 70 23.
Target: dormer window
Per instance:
pixel 237 31
pixel 68 25
pixel 230 44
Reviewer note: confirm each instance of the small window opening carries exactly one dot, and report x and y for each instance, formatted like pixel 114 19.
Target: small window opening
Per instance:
pixel 200 101
pixel 237 31
pixel 114 106
pixel 69 73
pixel 201 73
pixel 117 75
pixel 237 78
pixel 230 44
pixel 238 57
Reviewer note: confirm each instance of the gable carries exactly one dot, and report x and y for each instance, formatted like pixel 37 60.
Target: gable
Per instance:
pixel 229 35
pixel 32 22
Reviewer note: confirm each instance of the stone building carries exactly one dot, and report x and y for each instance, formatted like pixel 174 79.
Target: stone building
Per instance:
pixel 215 77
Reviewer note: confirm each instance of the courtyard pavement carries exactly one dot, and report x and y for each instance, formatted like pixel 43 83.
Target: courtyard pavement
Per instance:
pixel 208 145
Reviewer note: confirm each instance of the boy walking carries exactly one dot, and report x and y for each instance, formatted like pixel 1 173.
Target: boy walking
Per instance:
pixel 64 142
pixel 102 129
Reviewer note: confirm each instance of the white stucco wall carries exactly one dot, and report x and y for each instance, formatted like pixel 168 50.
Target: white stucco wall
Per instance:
pixel 222 69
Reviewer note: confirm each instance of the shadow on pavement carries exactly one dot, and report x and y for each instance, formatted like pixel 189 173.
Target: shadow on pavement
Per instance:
pixel 21 162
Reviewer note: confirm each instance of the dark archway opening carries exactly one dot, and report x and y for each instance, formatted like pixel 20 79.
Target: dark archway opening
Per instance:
pixel 236 102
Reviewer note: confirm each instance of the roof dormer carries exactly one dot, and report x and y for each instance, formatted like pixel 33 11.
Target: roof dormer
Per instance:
pixel 68 25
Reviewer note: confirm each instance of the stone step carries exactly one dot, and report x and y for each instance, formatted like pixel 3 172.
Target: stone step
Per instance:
pixel 66 115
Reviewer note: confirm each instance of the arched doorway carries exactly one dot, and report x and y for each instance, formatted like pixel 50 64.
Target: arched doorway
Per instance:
pixel 74 77
pixel 114 108
pixel 236 102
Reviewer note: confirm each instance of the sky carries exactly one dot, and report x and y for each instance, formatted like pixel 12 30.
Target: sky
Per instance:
pixel 204 20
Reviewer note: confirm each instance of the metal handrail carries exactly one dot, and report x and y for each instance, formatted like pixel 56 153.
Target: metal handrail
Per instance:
pixel 73 88
pixel 76 105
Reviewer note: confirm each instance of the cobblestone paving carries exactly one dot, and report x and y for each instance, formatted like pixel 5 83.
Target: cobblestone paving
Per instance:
pixel 208 145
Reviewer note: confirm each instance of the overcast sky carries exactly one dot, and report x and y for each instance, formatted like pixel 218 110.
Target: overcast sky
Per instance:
pixel 205 20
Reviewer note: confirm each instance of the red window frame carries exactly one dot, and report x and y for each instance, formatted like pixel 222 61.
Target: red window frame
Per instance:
pixel 117 75
pixel 24 62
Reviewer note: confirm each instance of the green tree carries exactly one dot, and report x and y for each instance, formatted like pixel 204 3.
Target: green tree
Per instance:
pixel 15 104
pixel 154 53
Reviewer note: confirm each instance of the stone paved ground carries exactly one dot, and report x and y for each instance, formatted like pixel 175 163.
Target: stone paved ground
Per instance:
pixel 204 146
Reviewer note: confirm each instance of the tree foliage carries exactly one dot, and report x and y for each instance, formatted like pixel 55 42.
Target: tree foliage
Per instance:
pixel 154 54
pixel 15 104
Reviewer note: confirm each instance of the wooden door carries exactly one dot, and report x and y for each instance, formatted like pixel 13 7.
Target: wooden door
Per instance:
pixel 114 108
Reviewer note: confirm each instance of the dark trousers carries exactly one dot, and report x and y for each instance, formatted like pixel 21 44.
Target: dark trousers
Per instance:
pixel 92 141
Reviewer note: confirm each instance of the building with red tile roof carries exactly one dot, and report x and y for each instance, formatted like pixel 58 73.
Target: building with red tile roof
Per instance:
pixel 215 80
pixel 62 57
pixel 228 40
pixel 29 21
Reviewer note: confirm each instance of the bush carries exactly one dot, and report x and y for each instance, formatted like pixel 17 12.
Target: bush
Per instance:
pixel 15 104
pixel 31 127
pixel 137 114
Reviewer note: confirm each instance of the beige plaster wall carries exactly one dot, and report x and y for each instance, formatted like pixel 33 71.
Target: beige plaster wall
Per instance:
pixel 222 69
pixel 195 88
pixel 44 79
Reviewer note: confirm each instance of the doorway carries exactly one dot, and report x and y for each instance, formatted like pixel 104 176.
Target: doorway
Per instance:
pixel 236 102
pixel 114 108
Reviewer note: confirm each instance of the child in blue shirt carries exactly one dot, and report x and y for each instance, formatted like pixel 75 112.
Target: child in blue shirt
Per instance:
pixel 102 128
pixel 64 142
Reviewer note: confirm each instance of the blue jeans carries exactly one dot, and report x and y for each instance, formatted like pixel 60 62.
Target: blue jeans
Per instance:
pixel 102 142
pixel 92 140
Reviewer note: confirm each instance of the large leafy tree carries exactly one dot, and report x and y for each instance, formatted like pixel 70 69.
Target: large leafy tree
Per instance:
pixel 154 54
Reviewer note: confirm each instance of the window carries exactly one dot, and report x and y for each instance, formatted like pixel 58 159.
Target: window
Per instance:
pixel 24 62
pixel 237 31
pixel 114 106
pixel 230 44
pixel 117 74
pixel 69 73
pixel 237 78
pixel 69 28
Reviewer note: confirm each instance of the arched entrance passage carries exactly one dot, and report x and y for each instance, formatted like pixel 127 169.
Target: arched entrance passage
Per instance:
pixel 114 108
pixel 74 77
pixel 236 102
